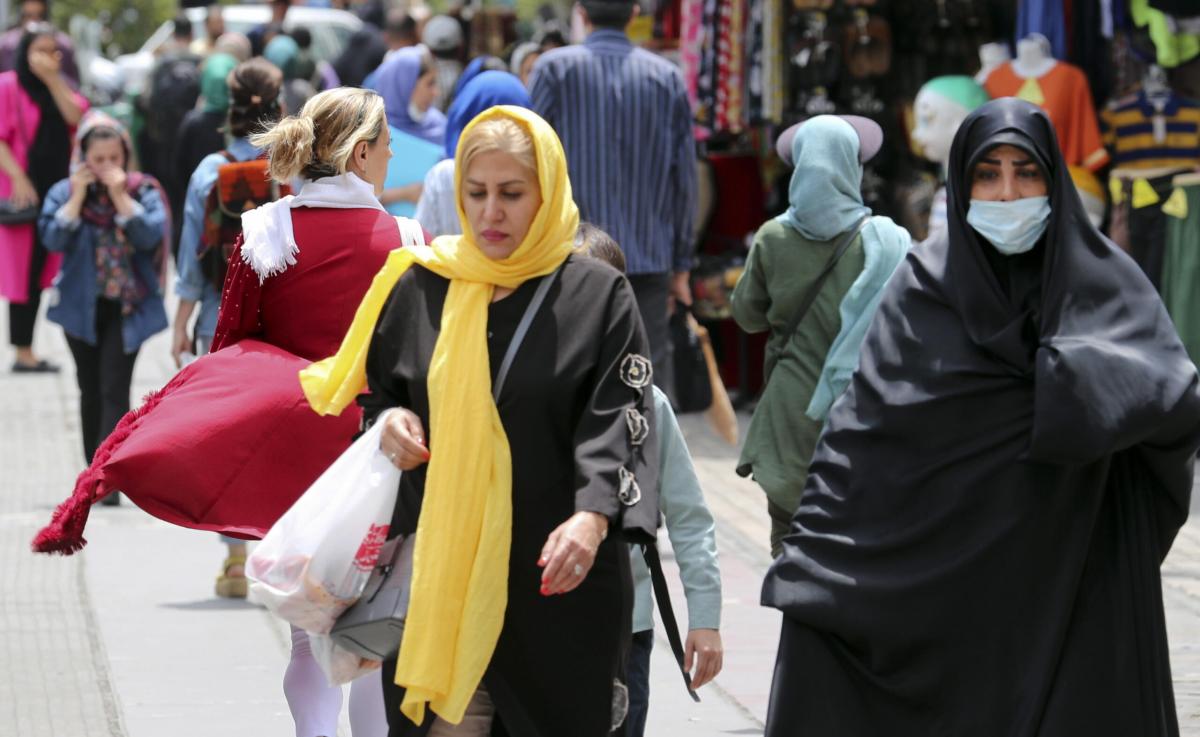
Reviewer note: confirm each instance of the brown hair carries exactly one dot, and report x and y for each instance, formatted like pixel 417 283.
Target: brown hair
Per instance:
pixel 321 139
pixel 594 242
pixel 254 97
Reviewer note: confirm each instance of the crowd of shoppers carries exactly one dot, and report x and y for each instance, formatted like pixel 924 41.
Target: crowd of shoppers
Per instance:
pixel 975 452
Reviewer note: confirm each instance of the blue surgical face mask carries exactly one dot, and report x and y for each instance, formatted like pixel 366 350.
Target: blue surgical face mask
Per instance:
pixel 1012 227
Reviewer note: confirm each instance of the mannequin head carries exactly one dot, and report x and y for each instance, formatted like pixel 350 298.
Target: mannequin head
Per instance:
pixel 1035 56
pixel 940 107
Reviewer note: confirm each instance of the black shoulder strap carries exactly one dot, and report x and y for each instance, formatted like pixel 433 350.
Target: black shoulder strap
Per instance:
pixel 662 595
pixel 523 327
pixel 810 296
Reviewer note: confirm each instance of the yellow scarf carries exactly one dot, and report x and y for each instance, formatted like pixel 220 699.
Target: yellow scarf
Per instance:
pixel 460 573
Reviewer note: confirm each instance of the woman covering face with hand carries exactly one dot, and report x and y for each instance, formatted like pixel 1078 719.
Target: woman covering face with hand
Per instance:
pixel 977 549
pixel 521 594
pixel 111 224
pixel 38 115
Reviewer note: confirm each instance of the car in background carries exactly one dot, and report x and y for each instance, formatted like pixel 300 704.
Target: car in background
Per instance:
pixel 331 30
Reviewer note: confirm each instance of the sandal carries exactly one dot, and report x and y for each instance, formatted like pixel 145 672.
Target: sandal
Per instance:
pixel 232 587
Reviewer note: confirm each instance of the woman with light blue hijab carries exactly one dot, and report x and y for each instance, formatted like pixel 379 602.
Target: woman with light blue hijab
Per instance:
pixel 437 210
pixel 407 80
pixel 813 278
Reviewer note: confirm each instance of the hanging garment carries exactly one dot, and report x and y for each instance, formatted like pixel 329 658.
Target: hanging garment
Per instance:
pixel 1173 46
pixel 1047 17
pixel 1139 225
pixel 1063 93
pixel 773 62
pixel 1181 265
pixel 731 59
pixel 1141 135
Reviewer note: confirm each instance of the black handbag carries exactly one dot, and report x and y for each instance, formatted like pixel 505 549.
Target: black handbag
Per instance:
pixel 693 388
pixel 10 214
pixel 373 627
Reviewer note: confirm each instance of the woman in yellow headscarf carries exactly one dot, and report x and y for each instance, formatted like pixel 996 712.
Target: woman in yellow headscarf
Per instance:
pixel 521 597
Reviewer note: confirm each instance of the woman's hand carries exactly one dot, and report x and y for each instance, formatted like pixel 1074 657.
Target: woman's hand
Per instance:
pixel 114 179
pixel 45 66
pixel 180 343
pixel 23 192
pixel 81 179
pixel 570 551
pixel 705 652
pixel 403 440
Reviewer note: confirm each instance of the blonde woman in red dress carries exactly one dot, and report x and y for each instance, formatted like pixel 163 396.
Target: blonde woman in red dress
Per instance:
pixel 242 441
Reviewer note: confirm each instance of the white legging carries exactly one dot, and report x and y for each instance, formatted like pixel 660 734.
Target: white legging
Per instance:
pixel 316 705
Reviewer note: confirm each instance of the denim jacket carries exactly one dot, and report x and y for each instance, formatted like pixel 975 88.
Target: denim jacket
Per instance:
pixel 74 306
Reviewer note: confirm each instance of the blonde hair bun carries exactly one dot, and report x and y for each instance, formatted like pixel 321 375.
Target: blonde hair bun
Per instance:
pixel 319 141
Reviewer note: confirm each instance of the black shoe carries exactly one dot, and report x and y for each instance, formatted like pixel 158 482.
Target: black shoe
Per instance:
pixel 112 500
pixel 41 367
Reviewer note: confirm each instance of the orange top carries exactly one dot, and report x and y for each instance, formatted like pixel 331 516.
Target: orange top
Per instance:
pixel 1063 93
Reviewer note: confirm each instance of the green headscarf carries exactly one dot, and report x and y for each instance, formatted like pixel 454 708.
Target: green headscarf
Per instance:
pixel 214 82
pixel 282 52
pixel 824 197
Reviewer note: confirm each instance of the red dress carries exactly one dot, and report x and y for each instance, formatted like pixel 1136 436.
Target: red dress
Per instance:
pixel 230 442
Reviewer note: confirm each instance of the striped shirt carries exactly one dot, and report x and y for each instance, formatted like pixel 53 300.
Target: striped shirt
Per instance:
pixel 626 125
pixel 1129 132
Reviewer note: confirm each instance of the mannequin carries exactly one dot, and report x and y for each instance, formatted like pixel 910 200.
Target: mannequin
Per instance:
pixel 939 109
pixel 991 55
pixel 1059 88
pixel 1034 58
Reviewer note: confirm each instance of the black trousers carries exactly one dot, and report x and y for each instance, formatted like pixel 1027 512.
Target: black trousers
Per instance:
pixel 653 292
pixel 638 671
pixel 105 373
pixel 21 316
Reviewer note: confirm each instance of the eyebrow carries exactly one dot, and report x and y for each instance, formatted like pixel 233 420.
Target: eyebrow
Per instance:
pixel 502 184
pixel 996 162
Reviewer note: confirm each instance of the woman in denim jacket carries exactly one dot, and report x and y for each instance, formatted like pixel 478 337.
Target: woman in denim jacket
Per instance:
pixel 110 224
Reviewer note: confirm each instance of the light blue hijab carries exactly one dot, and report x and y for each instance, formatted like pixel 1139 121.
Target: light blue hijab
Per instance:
pixel 825 197
pixel 825 201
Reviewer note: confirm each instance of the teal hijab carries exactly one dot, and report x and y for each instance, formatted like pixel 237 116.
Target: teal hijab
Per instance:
pixel 282 52
pixel 214 82
pixel 825 197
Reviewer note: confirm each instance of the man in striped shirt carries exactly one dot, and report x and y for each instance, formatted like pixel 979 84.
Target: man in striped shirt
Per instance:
pixel 624 119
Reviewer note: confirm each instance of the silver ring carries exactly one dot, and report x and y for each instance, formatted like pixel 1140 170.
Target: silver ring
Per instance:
pixel 391 457
pixel 578 570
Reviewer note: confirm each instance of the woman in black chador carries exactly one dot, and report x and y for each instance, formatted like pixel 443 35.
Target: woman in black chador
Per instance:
pixel 977 549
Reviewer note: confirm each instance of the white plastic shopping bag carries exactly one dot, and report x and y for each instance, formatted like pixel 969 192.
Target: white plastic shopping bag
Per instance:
pixel 315 560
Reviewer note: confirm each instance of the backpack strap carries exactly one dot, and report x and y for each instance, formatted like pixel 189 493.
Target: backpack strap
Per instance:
pixel 841 246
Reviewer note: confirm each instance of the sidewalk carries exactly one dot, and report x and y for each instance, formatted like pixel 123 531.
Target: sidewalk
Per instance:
pixel 126 639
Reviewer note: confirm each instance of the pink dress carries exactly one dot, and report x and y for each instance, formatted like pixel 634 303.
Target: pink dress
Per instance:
pixel 19 120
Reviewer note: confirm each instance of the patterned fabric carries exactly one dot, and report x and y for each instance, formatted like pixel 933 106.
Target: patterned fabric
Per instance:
pixel 774 78
pixel 731 54
pixel 1139 135
pixel 115 279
